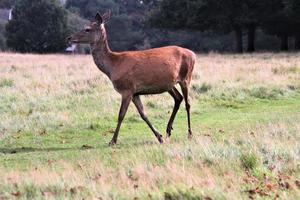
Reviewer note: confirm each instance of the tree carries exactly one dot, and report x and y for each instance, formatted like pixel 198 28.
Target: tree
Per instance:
pixel 218 15
pixel 37 26
pixel 7 3
pixel 222 16
pixel 88 8
pixel 126 26
pixel 75 22
pixel 2 33
pixel 254 12
pixel 294 6
pixel 280 23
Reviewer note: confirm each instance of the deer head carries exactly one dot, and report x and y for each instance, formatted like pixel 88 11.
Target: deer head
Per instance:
pixel 93 32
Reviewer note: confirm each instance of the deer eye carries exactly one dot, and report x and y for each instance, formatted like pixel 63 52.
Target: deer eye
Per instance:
pixel 87 30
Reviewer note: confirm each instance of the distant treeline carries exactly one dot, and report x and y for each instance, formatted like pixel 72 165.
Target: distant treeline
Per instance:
pixel 202 25
pixel 275 17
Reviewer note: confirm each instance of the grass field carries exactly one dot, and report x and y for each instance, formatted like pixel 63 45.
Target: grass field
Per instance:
pixel 58 112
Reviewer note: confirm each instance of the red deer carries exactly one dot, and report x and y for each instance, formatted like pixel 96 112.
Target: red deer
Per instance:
pixel 136 73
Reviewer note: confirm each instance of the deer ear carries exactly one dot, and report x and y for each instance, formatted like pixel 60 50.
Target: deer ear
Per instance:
pixel 98 18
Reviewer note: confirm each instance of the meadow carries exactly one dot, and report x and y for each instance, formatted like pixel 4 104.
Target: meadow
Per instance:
pixel 58 113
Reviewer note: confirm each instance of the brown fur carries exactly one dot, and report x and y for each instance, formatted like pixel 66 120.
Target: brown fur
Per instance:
pixel 135 73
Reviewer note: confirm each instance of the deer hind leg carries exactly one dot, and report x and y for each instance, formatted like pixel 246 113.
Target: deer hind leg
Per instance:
pixel 138 103
pixel 123 109
pixel 185 92
pixel 178 99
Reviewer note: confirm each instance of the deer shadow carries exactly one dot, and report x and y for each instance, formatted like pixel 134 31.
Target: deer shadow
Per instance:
pixel 51 149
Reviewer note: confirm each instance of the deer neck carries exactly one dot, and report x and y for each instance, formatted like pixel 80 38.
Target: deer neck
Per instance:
pixel 102 55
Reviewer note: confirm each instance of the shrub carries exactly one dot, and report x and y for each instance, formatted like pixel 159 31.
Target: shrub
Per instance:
pixel 199 89
pixel 37 26
pixel 2 35
pixel 181 194
pixel 6 83
pixel 266 93
pixel 285 70
pixel 249 161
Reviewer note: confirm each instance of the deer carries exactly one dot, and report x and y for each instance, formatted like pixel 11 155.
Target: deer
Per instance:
pixel 136 73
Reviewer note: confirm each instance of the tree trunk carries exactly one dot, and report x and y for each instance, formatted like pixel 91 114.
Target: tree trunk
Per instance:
pixel 284 43
pixel 238 40
pixel 251 38
pixel 297 42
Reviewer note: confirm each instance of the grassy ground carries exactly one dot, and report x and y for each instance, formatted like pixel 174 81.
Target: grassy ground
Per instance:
pixel 57 114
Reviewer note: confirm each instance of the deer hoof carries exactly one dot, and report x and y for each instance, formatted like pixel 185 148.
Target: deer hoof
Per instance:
pixel 112 143
pixel 168 135
pixel 190 135
pixel 160 140
pixel 169 130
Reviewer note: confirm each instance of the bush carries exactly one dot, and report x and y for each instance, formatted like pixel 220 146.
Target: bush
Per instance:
pixel 7 3
pixel 2 35
pixel 266 93
pixel 37 26
pixel 199 89
pixel 6 83
pixel 75 22
pixel 249 161
pixel 181 194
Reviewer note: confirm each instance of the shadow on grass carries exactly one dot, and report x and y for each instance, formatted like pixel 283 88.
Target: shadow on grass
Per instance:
pixel 31 149
pixel 120 145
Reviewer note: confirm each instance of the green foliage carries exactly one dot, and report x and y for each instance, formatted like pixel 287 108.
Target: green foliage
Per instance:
pixel 286 70
pixel 182 194
pixel 171 14
pixel 284 19
pixel 88 8
pixel 37 26
pixel 279 23
pixel 203 88
pixel 295 16
pixel 266 93
pixel 279 17
pixel 2 35
pixel 6 83
pixel 129 38
pixel 7 3
pixel 249 161
pixel 205 25
pixel 75 22
pixel 125 29
pixel 219 15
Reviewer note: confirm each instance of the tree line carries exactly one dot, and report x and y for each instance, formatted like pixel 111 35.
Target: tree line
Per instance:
pixel 275 17
pixel 203 25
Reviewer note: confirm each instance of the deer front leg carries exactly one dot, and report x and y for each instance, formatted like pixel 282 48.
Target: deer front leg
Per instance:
pixel 124 106
pixel 138 103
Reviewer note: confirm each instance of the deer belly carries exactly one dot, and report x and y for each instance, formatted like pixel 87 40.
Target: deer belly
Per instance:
pixel 155 83
pixel 154 87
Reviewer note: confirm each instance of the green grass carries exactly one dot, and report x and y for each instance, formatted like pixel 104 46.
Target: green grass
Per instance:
pixel 246 144
pixel 227 129
pixel 6 83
